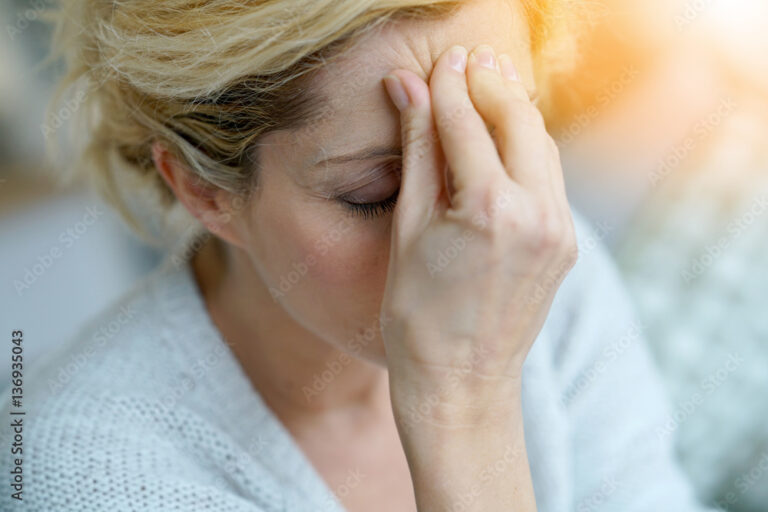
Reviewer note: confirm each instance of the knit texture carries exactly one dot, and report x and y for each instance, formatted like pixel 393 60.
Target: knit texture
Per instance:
pixel 147 409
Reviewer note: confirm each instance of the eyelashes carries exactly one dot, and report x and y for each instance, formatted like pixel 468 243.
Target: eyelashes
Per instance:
pixel 372 210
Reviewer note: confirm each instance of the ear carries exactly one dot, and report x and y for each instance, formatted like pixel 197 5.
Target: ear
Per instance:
pixel 215 208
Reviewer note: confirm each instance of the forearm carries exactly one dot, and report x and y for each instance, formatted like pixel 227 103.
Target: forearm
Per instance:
pixel 477 465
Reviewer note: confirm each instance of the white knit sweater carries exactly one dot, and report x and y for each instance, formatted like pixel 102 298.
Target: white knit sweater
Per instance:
pixel 148 410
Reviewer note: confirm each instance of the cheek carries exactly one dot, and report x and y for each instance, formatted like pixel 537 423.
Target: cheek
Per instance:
pixel 315 249
pixel 348 253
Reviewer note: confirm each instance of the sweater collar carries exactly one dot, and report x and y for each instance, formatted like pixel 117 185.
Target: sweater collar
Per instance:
pixel 239 408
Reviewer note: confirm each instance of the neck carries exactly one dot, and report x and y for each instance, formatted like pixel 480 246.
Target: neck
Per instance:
pixel 298 375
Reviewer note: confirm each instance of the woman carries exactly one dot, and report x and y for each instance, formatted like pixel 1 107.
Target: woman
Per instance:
pixel 355 333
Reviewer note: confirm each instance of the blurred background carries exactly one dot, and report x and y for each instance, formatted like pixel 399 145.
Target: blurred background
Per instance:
pixel 663 130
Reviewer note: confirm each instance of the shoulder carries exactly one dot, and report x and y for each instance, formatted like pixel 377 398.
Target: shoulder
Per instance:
pixel 126 344
pixel 97 450
pixel 111 422
pixel 157 340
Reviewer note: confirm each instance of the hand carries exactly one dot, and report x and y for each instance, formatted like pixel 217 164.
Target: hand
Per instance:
pixel 482 238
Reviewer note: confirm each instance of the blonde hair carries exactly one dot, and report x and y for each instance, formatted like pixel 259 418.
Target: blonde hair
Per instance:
pixel 208 78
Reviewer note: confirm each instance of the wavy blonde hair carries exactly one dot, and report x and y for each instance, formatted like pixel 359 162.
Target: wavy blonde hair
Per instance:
pixel 208 78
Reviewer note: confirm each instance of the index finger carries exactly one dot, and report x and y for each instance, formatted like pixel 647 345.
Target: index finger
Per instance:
pixel 470 152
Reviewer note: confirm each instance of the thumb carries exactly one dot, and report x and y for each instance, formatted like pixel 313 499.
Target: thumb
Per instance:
pixel 422 189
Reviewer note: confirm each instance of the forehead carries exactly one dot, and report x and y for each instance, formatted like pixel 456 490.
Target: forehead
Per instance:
pixel 356 108
pixel 416 44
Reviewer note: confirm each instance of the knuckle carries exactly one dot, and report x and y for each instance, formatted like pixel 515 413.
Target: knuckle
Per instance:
pixel 550 237
pixel 493 202
pixel 546 233
pixel 412 132
pixel 485 198
pixel 417 143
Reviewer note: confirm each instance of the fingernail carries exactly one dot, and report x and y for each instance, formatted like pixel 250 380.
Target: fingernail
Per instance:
pixel 485 56
pixel 396 91
pixel 457 58
pixel 508 69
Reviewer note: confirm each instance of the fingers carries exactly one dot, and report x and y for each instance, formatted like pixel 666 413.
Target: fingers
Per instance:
pixel 422 190
pixel 470 152
pixel 529 155
pixel 502 100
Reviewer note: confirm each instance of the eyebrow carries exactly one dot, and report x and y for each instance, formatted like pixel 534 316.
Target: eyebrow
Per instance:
pixel 364 154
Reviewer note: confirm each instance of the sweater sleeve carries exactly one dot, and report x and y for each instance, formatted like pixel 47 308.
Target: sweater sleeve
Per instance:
pixel 623 456
pixel 91 451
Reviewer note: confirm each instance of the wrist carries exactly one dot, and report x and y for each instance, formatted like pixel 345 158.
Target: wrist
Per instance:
pixel 449 406
pixel 469 464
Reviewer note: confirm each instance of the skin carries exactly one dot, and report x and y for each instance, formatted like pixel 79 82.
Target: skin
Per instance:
pixel 369 299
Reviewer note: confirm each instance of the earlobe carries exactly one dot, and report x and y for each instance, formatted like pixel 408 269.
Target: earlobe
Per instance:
pixel 205 202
